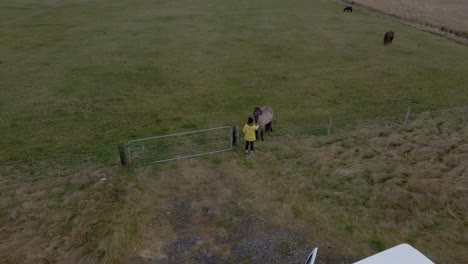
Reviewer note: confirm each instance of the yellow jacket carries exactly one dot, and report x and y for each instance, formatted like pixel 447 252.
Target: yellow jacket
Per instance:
pixel 249 131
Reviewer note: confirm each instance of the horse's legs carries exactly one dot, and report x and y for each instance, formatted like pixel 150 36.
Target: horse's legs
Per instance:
pixel 261 134
pixel 256 134
pixel 269 127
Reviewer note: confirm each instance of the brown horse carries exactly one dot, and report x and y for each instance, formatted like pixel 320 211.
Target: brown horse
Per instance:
pixel 348 9
pixel 263 117
pixel 388 37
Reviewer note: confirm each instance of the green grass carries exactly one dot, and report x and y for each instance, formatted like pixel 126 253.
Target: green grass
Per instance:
pixel 78 77
pixel 86 74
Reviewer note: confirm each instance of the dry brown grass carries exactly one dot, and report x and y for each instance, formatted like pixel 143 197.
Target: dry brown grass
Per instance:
pixel 53 213
pixel 448 17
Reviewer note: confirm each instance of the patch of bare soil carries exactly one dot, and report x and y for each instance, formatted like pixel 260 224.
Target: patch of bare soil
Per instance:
pixel 446 17
pixel 204 215
pixel 248 240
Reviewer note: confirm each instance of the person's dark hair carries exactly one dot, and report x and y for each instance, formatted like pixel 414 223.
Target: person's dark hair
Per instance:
pixel 250 120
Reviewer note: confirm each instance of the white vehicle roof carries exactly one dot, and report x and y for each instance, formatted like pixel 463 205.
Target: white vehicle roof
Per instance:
pixel 401 254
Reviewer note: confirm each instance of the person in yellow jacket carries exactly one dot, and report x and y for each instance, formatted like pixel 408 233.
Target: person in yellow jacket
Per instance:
pixel 249 131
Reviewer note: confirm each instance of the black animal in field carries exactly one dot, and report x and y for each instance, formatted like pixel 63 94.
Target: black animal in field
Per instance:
pixel 348 9
pixel 388 37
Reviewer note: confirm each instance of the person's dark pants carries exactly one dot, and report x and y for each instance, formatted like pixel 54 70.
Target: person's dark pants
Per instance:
pixel 249 145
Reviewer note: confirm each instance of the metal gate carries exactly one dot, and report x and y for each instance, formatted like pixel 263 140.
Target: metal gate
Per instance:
pixel 181 145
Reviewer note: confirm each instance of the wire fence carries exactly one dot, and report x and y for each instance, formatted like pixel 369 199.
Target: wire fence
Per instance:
pixel 339 124
pixel 193 144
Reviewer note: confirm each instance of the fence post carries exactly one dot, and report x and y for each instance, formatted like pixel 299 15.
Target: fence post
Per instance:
pixel 123 156
pixel 407 114
pixel 329 126
pixel 234 136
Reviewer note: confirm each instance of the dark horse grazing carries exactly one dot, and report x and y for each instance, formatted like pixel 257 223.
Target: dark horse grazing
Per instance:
pixel 263 117
pixel 388 37
pixel 348 9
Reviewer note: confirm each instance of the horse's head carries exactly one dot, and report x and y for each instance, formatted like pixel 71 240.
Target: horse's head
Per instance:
pixel 256 113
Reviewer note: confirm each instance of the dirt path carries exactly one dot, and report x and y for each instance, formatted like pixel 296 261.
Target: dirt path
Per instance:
pixel 217 223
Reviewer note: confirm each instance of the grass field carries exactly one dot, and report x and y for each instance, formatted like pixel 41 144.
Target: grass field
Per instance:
pixel 78 77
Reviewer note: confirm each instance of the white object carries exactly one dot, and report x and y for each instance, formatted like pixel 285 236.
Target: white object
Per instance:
pixel 401 254
pixel 312 256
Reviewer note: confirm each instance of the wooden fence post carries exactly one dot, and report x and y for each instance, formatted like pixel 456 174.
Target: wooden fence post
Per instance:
pixel 234 136
pixel 123 156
